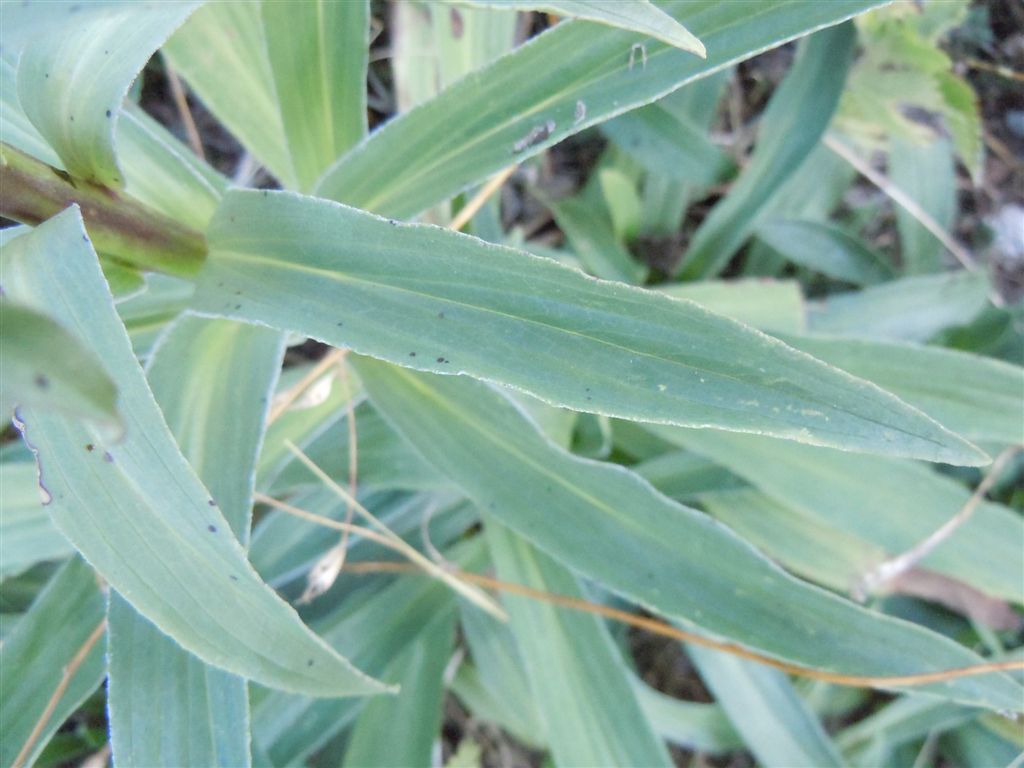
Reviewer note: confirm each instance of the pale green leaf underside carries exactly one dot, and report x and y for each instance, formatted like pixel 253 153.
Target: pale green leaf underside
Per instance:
pixel 45 366
pixel 501 114
pixel 135 508
pixel 71 81
pixel 639 16
pixel 607 524
pixel 434 300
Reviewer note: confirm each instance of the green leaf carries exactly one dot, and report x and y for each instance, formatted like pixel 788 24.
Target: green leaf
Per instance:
pixel 623 203
pixel 136 509
pixel 639 16
pixel 166 707
pixel 579 680
pixel 495 687
pixel 27 536
pixel 33 656
pixel 975 396
pixel 825 248
pixel 775 306
pixel 588 229
pixel 164 174
pixel 439 301
pixel 376 625
pixel 318 54
pixel 456 139
pixel 72 80
pixel 926 173
pixel 791 126
pixel 700 727
pixel 212 380
pixel 611 526
pixel 669 145
pixel 906 719
pixel 221 51
pixel 764 707
pixel 401 730
pixel 807 545
pixel 47 367
pixel 903 502
pixel 909 309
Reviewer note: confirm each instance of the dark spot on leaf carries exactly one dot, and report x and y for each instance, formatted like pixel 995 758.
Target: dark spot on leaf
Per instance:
pixel 265 193
pixel 90 447
pixel 233 577
pixel 42 381
pixel 340 324
pixel 72 118
pixel 108 113
pixel 211 528
pixel 108 457
pixel 440 315
pixel 238 306
pixel 456 18
pixel 392 222
pixel 212 503
pixel 309 663
pixel 238 293
pixel 589 397
pixel 412 354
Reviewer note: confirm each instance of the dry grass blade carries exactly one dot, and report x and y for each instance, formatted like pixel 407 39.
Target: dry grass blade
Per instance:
pixel 181 102
pixel 469 210
pixel 892 568
pixel 664 629
pixel 471 593
pixel 901 198
pixel 286 399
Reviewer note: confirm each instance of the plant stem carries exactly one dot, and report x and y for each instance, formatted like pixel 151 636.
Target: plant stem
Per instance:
pixel 121 228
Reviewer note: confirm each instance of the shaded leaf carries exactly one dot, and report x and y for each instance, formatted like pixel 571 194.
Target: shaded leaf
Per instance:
pixel 47 367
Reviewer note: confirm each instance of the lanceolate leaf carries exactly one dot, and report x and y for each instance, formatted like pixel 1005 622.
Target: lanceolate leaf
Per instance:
pixel 639 16
pixel 523 102
pixel 975 396
pixel 580 683
pixel 900 504
pixel 439 301
pixel 792 124
pixel 71 80
pixel 212 380
pixel 607 524
pixel 222 54
pixel 764 707
pixel 824 248
pixel 318 52
pixel 419 669
pixel 46 366
pixel 40 647
pixel 135 508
